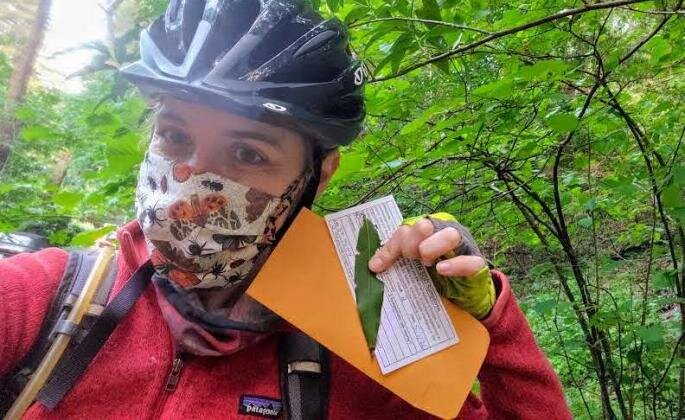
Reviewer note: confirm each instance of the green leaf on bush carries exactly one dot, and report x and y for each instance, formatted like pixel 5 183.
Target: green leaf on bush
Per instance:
pixel 585 222
pixel 38 132
pixel 546 69
pixel 350 163
pixel 653 334
pixel 333 5
pixel 545 306
pixel 563 122
pixel 100 120
pixel 368 289
pixel 58 237
pixel 67 199
pixel 4 188
pixel 88 238
pixel 671 196
pixel 665 279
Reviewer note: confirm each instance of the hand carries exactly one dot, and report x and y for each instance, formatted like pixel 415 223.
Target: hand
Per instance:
pixel 419 241
pixel 461 274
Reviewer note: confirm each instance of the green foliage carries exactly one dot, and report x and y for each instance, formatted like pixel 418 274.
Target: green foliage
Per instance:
pixel 503 136
pixel 559 144
pixel 74 165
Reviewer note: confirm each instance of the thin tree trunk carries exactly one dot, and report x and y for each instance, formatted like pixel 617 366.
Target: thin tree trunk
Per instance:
pixel 110 11
pixel 22 70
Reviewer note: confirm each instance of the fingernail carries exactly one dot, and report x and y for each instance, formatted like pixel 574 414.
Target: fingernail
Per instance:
pixel 375 263
pixel 442 266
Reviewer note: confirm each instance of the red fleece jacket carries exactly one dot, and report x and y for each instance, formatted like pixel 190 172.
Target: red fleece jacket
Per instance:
pixel 127 377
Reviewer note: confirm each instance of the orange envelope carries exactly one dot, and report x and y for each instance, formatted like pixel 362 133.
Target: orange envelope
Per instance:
pixel 304 283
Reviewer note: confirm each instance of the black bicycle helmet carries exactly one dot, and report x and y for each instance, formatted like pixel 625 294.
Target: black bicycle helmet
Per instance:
pixel 267 60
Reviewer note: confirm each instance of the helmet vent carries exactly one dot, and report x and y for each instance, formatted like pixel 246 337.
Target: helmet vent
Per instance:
pixel 275 41
pixel 315 43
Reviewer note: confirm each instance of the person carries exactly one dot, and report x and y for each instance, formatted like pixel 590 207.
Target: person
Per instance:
pixel 253 99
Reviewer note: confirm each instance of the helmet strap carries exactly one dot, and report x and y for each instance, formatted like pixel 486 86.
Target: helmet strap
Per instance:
pixel 309 192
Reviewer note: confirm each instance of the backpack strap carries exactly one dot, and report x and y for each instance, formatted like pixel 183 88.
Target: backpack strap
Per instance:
pixel 74 363
pixel 304 376
pixel 77 269
pixel 85 263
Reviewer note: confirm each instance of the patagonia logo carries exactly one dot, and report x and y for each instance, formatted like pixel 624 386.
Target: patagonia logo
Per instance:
pixel 254 405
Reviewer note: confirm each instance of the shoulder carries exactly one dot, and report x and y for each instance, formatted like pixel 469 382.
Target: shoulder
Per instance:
pixel 28 283
pixel 33 271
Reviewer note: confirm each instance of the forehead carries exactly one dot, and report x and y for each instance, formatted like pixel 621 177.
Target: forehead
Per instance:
pixel 202 118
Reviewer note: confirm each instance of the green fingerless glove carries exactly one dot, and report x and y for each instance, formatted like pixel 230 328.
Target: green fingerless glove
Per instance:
pixel 476 293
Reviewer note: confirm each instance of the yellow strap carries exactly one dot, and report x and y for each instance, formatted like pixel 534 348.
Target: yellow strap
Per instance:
pixel 61 341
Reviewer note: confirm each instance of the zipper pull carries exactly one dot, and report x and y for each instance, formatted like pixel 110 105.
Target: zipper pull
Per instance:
pixel 174 375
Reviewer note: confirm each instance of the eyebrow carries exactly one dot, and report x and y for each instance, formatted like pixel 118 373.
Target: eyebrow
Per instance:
pixel 172 116
pixel 253 135
pixel 240 134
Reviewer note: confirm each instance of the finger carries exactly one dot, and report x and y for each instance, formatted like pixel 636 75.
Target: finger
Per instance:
pixel 417 233
pixel 460 266
pixel 403 243
pixel 388 253
pixel 439 244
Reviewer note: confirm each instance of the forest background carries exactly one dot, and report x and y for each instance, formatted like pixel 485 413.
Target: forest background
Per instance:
pixel 552 128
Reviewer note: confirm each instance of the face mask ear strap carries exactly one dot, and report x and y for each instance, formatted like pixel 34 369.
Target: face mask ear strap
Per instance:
pixel 309 193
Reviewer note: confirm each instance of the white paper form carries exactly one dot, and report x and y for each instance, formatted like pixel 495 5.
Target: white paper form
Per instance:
pixel 414 323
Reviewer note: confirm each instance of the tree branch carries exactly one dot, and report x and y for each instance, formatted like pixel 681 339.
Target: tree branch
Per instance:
pixel 426 21
pixel 656 12
pixel 646 39
pixel 500 34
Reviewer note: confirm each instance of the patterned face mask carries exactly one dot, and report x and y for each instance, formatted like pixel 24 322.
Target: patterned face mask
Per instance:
pixel 204 230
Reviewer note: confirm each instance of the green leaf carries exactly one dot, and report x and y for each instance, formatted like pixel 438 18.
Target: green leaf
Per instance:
pixel 67 199
pixel 333 5
pixel 88 238
pixel 545 306
pixel 123 164
pixel 58 237
pixel 651 335
pixel 501 88
pixel 5 188
pixel 590 204
pixel 368 289
pixel 399 49
pixel 679 174
pixel 671 196
pixel 100 120
pixel 356 14
pixel 24 113
pixel 38 132
pixel 563 123
pixel 585 222
pixel 545 70
pixel 658 48
pixel 665 279
pixel 430 10
pixel 439 108
pixel 349 164
pixel 416 124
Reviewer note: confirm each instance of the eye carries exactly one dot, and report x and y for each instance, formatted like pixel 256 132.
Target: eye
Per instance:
pixel 175 137
pixel 175 143
pixel 248 155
